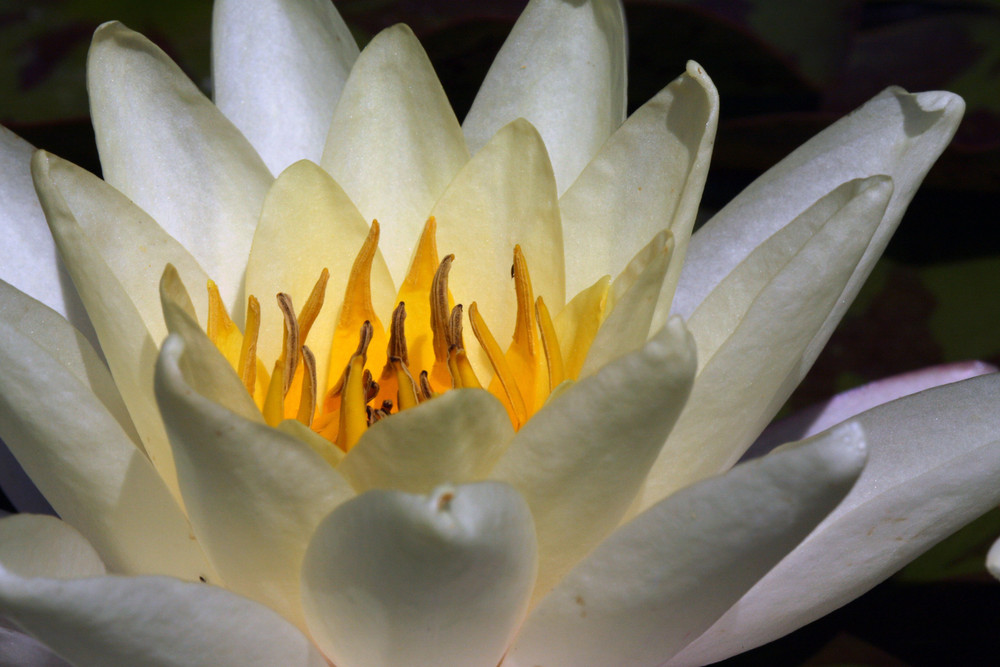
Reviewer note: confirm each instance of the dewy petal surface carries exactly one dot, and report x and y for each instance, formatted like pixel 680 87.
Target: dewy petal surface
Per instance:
pixel 152 622
pixel 933 464
pixel 166 147
pixel 86 464
pixel 895 133
pixel 504 196
pixel 455 438
pixel 563 69
pixel 582 458
pixel 394 143
pixel 647 177
pixel 768 309
pixel 254 494
pixel 439 580
pixel 278 67
pixel 37 545
pixel 662 578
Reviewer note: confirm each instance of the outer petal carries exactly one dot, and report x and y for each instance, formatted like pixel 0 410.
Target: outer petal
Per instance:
pixel 993 559
pixel 37 545
pixel 455 438
pixel 647 177
pixel 19 650
pixel 582 458
pixel 167 148
pixel 664 577
pixel 755 329
pixel 87 465
pixel 895 133
pixel 278 67
pixel 503 197
pixel 126 342
pixel 152 622
pixel 394 142
pixel 563 69
pixel 397 579
pixel 31 263
pixel 308 224
pixel 933 466
pixel 254 494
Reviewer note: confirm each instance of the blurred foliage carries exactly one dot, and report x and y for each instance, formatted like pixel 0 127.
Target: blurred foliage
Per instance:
pixel 785 69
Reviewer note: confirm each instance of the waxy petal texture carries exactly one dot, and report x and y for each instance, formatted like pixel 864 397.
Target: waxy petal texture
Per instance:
pixel 36 545
pixel 581 460
pixel 254 494
pixel 926 477
pixel 278 67
pixel 394 143
pixel 166 147
pixel 152 622
pixel 662 578
pixel 563 69
pixel 397 579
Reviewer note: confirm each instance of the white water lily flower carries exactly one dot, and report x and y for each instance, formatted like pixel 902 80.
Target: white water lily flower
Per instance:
pixel 578 510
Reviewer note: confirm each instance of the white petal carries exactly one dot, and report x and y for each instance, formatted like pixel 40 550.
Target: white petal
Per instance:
pixel 504 196
pixel 126 341
pixel 895 133
pixel 278 67
pixel 308 224
pixel 254 494
pixel 563 69
pixel 152 622
pixel 455 438
pixel 582 458
pixel 993 559
pixel 394 143
pixel 933 464
pixel 661 579
pixel 397 579
pixel 755 327
pixel 35 545
pixel 86 464
pixel 647 177
pixel 170 150
pixel 31 263
pixel 19 650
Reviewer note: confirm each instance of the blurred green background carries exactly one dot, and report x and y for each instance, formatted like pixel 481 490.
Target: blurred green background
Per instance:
pixel 784 69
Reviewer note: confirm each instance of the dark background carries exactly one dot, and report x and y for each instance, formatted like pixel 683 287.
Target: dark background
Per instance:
pixel 784 69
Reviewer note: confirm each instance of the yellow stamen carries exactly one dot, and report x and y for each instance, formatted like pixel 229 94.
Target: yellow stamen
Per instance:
pixel 414 290
pixel 515 402
pixel 458 361
pixel 274 401
pixel 248 351
pixel 313 305
pixel 290 342
pixel 396 380
pixel 550 342
pixel 307 403
pixel 426 391
pixel 439 376
pixel 354 399
pixel 221 329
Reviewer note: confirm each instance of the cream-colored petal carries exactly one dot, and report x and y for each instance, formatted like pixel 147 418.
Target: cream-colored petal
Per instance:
pixel 308 224
pixel 760 323
pixel 133 245
pixel 127 344
pixel 31 263
pixel 504 196
pixel 37 545
pixel 647 177
pixel 933 465
pixel 394 142
pixel 254 494
pixel 993 560
pixel 580 461
pixel 398 579
pixel 661 579
pixel 563 69
pixel 166 147
pixel 631 300
pixel 455 438
pixel 278 67
pixel 895 133
pixel 87 466
pixel 152 622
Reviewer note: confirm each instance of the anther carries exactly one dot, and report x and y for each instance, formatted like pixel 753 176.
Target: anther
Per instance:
pixel 290 343
pixel 439 309
pixel 307 402
pixel 248 350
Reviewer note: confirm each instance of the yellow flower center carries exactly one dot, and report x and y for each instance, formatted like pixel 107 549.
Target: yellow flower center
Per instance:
pixel 374 373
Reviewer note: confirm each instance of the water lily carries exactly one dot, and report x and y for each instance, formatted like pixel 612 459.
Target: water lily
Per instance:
pixel 566 498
